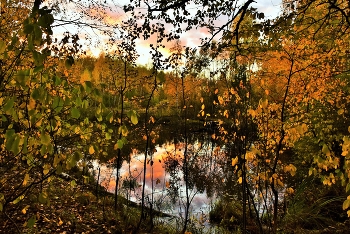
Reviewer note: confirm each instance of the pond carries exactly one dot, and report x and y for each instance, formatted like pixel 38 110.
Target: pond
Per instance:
pixel 165 187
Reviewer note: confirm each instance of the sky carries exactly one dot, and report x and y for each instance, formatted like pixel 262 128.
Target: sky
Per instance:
pixel 94 42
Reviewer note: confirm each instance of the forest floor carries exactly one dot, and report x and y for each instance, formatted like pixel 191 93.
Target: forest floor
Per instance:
pixel 72 207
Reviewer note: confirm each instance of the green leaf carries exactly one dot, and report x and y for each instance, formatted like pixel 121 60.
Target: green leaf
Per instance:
pixel 57 103
pixel 45 20
pixel 9 133
pixel 347 187
pixel 120 144
pixel 78 101
pixel 31 222
pixel 69 62
pixel 45 138
pixel 42 198
pixel 57 80
pixel 1 207
pixel 30 160
pixel 3 118
pixel 134 119
pixel 38 68
pixel 36 94
pixel 109 117
pixel 43 150
pixel 99 118
pixel 28 28
pixel 85 104
pixel 133 116
pixel 73 183
pixel 59 169
pixel 77 156
pixel 18 199
pixel 15 145
pixel 75 113
pixel 38 34
pixel 10 137
pixel 22 77
pixel 9 104
pixel 108 136
pixel 88 86
pixel 2 46
pixel 38 58
pixel 325 150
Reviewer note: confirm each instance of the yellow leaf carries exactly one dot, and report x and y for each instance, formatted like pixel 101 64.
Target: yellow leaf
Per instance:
pixel 91 150
pixel 45 171
pixel 203 106
pixel 346 203
pixel 31 104
pixel 264 104
pixel 60 222
pixel 340 111
pixel 293 169
pixel 311 170
pixel 26 178
pixel 280 183
pixel 24 210
pixel 290 190
pixel 325 150
pixel 216 91
pixel 267 92
pixel 234 161
pixel 240 180
pixel 226 113
pixel 251 112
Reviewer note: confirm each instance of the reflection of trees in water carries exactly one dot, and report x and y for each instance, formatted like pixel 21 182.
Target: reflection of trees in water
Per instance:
pixel 205 166
pixel 172 166
pixel 206 161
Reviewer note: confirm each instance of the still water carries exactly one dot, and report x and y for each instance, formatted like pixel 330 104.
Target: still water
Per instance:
pixel 165 187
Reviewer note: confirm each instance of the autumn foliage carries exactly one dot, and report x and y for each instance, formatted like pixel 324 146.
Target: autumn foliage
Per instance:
pixel 269 100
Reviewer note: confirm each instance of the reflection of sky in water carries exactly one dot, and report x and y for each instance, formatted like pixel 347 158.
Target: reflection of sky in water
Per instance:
pixel 200 204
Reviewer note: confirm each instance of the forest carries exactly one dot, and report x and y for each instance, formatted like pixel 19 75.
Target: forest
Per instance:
pixel 247 132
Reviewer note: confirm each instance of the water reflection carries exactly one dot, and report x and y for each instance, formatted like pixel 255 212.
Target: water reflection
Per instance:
pixel 164 187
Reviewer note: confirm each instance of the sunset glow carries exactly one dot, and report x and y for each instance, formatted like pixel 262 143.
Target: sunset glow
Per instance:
pixel 113 15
